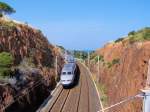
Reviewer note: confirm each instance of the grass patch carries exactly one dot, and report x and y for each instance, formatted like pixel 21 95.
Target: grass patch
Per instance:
pixel 137 36
pixel 102 91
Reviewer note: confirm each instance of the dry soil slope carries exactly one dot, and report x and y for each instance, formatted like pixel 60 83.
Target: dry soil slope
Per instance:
pixel 128 76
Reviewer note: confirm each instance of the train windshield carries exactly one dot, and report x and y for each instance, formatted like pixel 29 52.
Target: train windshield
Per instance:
pixel 64 73
pixel 69 73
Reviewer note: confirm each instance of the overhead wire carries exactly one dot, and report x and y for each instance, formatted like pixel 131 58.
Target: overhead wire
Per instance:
pixel 123 101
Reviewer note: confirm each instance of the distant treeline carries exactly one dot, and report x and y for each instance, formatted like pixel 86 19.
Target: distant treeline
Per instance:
pixel 81 54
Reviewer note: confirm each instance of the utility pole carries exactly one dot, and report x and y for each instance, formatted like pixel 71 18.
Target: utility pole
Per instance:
pixel 80 56
pixel 98 69
pixel 89 60
pixel 73 53
pixel 146 102
pixel 56 61
pixel 84 62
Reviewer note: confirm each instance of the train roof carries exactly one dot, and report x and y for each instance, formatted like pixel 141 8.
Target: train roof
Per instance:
pixel 68 67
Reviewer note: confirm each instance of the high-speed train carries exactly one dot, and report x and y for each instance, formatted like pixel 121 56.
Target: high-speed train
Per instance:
pixel 68 74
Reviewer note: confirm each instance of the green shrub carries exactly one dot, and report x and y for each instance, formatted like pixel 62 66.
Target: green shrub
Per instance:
pixel 119 40
pixel 109 64
pixel 146 36
pixel 93 55
pixel 115 61
pixel 1 15
pixel 131 33
pixel 6 61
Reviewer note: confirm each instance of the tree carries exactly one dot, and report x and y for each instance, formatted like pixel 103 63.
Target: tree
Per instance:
pixel 5 9
pixel 131 33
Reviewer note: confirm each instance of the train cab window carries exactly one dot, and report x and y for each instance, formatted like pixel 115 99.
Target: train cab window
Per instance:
pixel 64 73
pixel 69 73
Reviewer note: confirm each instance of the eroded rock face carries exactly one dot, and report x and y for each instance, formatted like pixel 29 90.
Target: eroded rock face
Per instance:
pixel 128 76
pixel 22 42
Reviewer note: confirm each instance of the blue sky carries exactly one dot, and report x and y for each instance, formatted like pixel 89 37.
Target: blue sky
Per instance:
pixel 83 24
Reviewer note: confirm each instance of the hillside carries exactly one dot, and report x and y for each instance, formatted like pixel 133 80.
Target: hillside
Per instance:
pixel 33 61
pixel 123 69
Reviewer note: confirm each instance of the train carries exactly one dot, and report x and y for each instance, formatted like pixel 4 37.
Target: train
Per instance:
pixel 68 73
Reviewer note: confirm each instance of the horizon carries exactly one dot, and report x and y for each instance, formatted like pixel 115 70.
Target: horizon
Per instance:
pixel 83 25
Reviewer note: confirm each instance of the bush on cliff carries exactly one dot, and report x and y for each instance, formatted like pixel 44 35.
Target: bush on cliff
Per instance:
pixel 119 40
pixel 6 61
pixel 131 33
pixel 113 62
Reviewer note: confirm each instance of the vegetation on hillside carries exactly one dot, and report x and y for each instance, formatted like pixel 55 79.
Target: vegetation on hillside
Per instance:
pixel 6 61
pixel 140 35
pixel 94 57
pixel 103 92
pixel 119 40
pixel 112 63
pixel 108 64
pixel 136 36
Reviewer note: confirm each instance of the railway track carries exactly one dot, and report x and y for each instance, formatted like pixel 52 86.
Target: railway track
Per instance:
pixel 81 98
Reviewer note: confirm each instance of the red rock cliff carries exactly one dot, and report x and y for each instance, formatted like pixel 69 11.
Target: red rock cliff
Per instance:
pixel 23 41
pixel 128 76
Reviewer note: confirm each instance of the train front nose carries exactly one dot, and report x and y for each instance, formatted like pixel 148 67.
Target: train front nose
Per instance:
pixel 66 80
